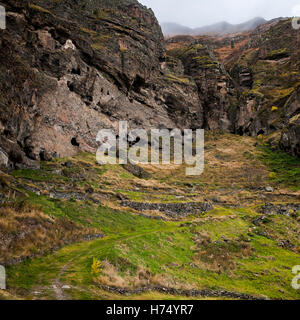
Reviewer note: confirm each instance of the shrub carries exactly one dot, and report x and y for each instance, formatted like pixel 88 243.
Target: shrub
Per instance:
pixel 272 175
pixel 260 137
pixel 96 267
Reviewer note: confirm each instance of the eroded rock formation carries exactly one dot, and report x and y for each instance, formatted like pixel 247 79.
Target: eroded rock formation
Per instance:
pixel 70 68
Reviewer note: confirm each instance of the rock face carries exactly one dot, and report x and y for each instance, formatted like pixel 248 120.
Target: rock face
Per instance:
pixel 267 72
pixel 255 89
pixel 215 88
pixel 70 68
pixel 290 139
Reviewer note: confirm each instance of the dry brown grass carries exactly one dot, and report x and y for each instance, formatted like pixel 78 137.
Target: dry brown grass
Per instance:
pixel 226 52
pixel 26 232
pixel 4 295
pixel 112 277
pixel 232 172
pixel 213 257
pixel 233 175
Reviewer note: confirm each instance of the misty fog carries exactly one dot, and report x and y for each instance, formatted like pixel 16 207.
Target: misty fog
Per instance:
pixel 197 13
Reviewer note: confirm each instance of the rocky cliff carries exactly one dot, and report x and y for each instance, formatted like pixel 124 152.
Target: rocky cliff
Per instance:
pixel 267 74
pixel 70 68
pixel 260 75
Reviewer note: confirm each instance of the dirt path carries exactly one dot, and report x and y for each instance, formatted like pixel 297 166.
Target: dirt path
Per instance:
pixel 57 285
pixel 60 293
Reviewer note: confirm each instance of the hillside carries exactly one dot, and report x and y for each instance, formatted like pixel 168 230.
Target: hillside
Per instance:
pixel 261 70
pixel 155 243
pixel 70 68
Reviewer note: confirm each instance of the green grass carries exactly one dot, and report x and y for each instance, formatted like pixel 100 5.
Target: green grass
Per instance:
pixel 285 167
pixel 173 78
pixel 167 249
pixel 248 261
pixel 83 212
pixel 39 175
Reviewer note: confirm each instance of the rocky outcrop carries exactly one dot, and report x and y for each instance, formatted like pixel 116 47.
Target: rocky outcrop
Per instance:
pixel 281 209
pixel 173 210
pixel 266 73
pixel 215 88
pixel 137 171
pixel 71 68
pixel 290 140
pixel 181 292
pixel 3 159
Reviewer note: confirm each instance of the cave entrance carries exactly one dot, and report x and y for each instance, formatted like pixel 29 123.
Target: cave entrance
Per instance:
pixel 74 142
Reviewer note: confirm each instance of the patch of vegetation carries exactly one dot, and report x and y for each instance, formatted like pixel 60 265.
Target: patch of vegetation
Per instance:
pixel 97 46
pixel 91 32
pixel 185 51
pixel 295 119
pixel 205 62
pixel 39 175
pixel 247 58
pixel 26 231
pixel 100 13
pixel 285 167
pixel 277 54
pixel 102 38
pixel 181 255
pixel 87 214
pixel 38 8
pixel 173 78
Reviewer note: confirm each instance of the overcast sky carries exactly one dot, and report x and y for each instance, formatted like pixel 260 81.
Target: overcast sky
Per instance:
pixel 197 13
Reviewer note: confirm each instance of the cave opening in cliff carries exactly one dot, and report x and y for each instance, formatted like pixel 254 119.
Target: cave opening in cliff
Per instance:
pixel 74 142
pixel 138 83
pixel 76 71
pixel 70 86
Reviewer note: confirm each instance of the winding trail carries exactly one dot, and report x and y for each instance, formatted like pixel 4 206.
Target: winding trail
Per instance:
pixel 57 285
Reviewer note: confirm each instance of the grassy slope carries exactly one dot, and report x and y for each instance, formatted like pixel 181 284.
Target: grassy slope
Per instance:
pixel 222 249
pixel 285 168
pixel 168 249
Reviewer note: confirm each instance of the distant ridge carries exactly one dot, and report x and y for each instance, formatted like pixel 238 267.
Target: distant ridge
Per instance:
pixel 172 29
